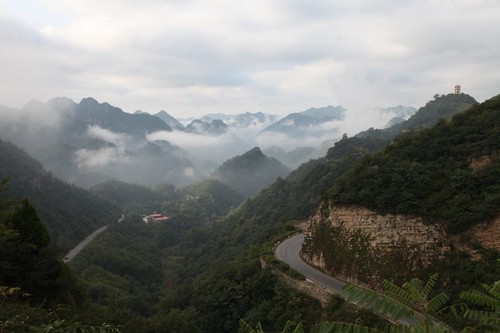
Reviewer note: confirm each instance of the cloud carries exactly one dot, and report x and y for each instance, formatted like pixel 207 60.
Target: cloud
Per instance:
pixel 194 57
pixel 190 140
pixel 214 148
pixel 86 158
pixel 105 156
pixel 123 141
pixel 106 135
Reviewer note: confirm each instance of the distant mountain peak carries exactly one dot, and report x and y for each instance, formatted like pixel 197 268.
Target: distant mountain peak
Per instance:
pixel 33 104
pixel 89 101
pixel 254 152
pixel 305 123
pixel 214 127
pixel 61 100
pixel 251 172
pixel 169 120
pixel 326 113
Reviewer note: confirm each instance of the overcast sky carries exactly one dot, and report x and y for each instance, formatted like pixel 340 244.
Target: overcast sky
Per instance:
pixel 192 57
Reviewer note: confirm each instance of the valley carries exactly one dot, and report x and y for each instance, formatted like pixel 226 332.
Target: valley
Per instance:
pixel 397 203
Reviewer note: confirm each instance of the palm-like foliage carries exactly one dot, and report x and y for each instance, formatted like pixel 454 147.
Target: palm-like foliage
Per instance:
pixel 289 328
pixel 489 301
pixel 408 307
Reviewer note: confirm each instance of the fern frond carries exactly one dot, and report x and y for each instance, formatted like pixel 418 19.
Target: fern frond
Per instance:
pixel 437 329
pixel 336 327
pixel 415 288
pixel 400 328
pixel 378 303
pixel 287 327
pixel 430 284
pixel 245 328
pixel 484 317
pixel 493 289
pixel 480 298
pixel 290 329
pixel 358 321
pixel 299 329
pixel 437 302
pixel 397 293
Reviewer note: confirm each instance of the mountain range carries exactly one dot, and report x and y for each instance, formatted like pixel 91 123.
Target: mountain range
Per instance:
pixel 212 264
pixel 89 142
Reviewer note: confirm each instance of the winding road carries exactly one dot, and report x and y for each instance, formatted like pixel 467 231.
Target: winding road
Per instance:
pixel 288 252
pixel 73 252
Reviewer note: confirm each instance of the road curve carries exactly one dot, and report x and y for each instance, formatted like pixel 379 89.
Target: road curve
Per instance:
pixel 73 252
pixel 288 252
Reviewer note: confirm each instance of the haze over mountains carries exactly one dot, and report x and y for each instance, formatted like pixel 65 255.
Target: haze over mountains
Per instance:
pixel 199 136
pixel 216 241
pixel 89 142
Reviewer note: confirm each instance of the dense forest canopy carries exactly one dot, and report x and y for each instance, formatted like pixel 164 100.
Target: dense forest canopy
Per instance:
pixel 434 172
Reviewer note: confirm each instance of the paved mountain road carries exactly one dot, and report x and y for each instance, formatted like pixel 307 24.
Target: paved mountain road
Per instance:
pixel 73 252
pixel 288 252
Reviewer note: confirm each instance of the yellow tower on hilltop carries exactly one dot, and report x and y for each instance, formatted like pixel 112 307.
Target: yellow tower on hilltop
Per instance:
pixel 457 89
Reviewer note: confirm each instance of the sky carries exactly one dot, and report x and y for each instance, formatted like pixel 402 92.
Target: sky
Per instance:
pixel 194 57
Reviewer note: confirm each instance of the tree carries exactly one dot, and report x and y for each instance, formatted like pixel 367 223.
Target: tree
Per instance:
pixel 29 264
pixel 27 260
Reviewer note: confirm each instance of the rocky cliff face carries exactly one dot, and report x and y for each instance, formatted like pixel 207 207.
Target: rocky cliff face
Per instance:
pixel 488 233
pixel 387 237
pixel 384 229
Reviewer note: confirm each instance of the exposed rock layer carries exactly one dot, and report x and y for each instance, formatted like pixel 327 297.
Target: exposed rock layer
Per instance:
pixel 389 229
pixel 488 234
pixel 385 229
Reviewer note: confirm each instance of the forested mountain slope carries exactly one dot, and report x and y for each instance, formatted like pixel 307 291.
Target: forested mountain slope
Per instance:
pixel 68 212
pixel 207 276
pixel 448 174
pixel 208 200
pixel 201 202
pixel 296 196
pixel 251 172
pixel 414 208
pixel 442 107
pixel 88 143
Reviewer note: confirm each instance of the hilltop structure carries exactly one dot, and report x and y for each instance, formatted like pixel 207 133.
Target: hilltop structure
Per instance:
pixel 457 89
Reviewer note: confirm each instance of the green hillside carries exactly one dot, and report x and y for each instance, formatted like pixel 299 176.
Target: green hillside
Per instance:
pixel 448 173
pixel 251 172
pixel 211 263
pixel 207 200
pixel 68 212
pixel 442 107
pixel 296 196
